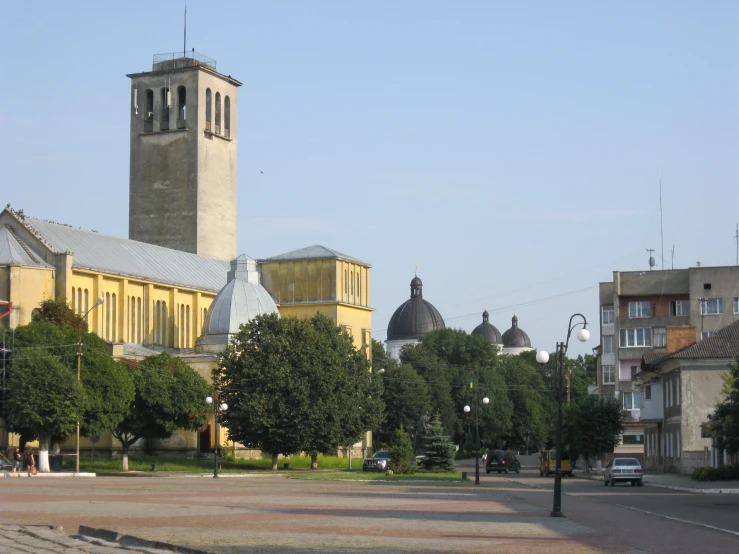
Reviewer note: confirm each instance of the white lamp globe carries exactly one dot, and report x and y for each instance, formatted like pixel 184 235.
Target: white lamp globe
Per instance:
pixel 466 409
pixel 209 400
pixel 224 406
pixel 583 335
pixel 542 356
pixel 486 400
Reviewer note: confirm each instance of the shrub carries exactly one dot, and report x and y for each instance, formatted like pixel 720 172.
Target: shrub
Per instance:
pixel 401 452
pixel 727 473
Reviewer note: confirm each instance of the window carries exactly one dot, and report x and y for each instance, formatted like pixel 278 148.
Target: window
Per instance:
pixel 227 118
pixel 706 334
pixel 218 113
pixel 607 344
pixel 631 400
pixel 736 305
pixel 607 314
pixel 679 307
pixel 638 309
pixel 149 111
pixel 609 374
pixel 634 371
pixel 208 109
pixel 659 336
pixel 181 107
pixel 712 306
pixel 164 119
pixel 633 439
pixel 648 392
pixel 630 338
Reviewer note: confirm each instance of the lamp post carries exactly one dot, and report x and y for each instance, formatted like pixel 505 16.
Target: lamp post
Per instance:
pixel 223 407
pixel 98 301
pixel 476 407
pixel 543 357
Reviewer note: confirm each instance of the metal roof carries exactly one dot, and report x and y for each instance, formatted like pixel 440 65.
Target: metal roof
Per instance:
pixel 415 317
pixel 117 256
pixel 13 252
pixel 722 344
pixel 515 337
pixel 315 252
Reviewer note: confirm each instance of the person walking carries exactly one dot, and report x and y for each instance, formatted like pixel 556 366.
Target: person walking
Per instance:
pixel 30 461
pixel 17 460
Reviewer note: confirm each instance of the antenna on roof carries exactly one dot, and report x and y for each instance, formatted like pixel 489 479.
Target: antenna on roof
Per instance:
pixel 184 40
pixel 673 256
pixel 661 233
pixel 651 258
pixel 737 243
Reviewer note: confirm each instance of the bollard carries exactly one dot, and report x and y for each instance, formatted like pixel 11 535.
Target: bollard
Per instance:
pixel 153 467
pixel 464 476
pixel 286 466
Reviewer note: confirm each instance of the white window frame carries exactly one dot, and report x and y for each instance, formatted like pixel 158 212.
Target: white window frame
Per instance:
pixel 639 309
pixel 609 314
pixel 712 306
pixel 629 338
pixel 736 305
pixel 676 307
pixel 662 342
pixel 611 371
pixel 609 339
pixel 634 396
pixel 706 334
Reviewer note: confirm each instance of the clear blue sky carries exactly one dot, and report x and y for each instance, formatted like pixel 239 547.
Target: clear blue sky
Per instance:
pixel 512 149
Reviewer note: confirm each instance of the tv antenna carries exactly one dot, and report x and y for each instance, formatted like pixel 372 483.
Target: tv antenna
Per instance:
pixel 651 258
pixel 673 256
pixel 736 237
pixel 661 232
pixel 184 39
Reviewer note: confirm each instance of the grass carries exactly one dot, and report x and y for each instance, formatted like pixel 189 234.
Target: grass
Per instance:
pixel 142 462
pixel 365 476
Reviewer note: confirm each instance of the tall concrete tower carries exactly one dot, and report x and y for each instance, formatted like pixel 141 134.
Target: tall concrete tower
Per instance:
pixel 184 131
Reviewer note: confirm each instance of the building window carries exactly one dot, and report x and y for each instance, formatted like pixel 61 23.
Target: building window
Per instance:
pixel 609 374
pixel 608 314
pixel 187 327
pixel 218 113
pixel 659 336
pixel 114 315
pixel 634 371
pixel 227 118
pixel 108 311
pixel 712 306
pixel 631 401
pixel 208 109
pixel 638 309
pixel 149 111
pixel 679 307
pixel 181 107
pixel 346 282
pixel 633 439
pixel 631 338
pixel 736 305
pixel 607 344
pixel 706 334
pixel 164 119
pixel 648 392
pixel 352 276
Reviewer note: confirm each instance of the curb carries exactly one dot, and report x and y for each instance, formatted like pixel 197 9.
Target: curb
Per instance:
pixel 130 540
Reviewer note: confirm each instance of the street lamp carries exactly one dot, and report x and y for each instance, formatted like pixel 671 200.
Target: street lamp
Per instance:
pixel 223 407
pixel 98 301
pixel 476 407
pixel 543 357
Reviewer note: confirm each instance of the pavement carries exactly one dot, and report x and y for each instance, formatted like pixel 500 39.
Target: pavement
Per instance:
pixel 676 482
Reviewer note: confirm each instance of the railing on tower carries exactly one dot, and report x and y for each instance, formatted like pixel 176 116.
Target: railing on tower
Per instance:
pixel 176 60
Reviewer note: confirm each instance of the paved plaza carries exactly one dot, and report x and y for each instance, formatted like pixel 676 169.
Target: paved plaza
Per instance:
pixel 273 513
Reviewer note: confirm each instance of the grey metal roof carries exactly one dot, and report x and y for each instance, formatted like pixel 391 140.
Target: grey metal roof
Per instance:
pixel 488 330
pixel 415 317
pixel 130 258
pixel 13 252
pixel 312 253
pixel 722 344
pixel 515 337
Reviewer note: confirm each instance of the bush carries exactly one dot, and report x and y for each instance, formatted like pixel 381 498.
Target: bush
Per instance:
pixel 727 473
pixel 401 452
pixel 439 448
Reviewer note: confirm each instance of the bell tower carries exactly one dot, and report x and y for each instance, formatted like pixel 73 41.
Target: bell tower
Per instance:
pixel 184 131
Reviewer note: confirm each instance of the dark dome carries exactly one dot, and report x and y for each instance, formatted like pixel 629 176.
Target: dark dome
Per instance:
pixel 415 317
pixel 515 337
pixel 485 329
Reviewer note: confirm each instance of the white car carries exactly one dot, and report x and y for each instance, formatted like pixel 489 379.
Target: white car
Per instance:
pixel 623 470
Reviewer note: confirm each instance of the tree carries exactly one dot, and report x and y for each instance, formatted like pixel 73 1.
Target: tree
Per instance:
pixel 407 399
pixel 297 385
pixel 592 426
pixel 727 412
pixel 169 395
pixel 58 312
pixel 401 452
pixel 439 449
pixel 44 400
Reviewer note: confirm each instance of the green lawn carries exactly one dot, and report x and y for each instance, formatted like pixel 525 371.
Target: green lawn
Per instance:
pixel 168 463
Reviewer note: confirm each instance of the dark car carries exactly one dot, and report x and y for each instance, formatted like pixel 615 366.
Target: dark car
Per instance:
pixel 380 461
pixel 502 461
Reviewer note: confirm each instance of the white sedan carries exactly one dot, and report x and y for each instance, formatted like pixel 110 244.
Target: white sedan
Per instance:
pixel 624 470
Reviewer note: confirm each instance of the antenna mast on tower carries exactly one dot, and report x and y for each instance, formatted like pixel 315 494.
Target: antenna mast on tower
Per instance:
pixel 737 243
pixel 661 233
pixel 651 258
pixel 184 39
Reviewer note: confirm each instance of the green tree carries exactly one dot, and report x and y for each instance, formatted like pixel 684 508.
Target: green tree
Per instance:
pixel 169 395
pixel 297 385
pixel 727 412
pixel 401 452
pixel 407 399
pixel 592 426
pixel 44 400
pixel 438 447
pixel 58 312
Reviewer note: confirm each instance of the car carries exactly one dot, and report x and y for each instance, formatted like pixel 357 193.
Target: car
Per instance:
pixel 623 470
pixel 502 461
pixel 380 461
pixel 548 463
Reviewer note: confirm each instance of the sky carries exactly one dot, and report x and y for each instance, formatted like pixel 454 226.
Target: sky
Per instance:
pixel 513 150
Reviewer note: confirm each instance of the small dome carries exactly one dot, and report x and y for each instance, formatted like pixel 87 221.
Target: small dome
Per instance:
pixel 516 337
pixel 241 300
pixel 485 329
pixel 415 317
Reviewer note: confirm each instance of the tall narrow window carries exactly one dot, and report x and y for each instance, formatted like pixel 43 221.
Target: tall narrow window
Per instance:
pixel 187 327
pixel 132 316
pixel 79 301
pixel 182 326
pixel 157 322
pixel 165 324
pixel 164 119
pixel 74 299
pixel 149 111
pixel 87 305
pixel 227 118
pixel 107 316
pixel 359 289
pixel 218 113
pixel 181 106
pixel 114 318
pixel 208 109
pixel 139 321
pixel 352 283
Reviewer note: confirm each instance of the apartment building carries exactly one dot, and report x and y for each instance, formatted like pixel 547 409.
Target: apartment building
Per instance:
pixel 663 311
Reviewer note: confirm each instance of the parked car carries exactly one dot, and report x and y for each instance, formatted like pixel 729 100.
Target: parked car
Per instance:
pixel 502 461
pixel 380 461
pixel 548 463
pixel 623 470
